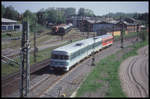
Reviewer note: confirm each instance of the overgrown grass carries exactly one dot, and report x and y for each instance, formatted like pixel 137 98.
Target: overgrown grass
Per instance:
pixel 12 33
pixel 14 44
pixel 109 67
pixel 7 69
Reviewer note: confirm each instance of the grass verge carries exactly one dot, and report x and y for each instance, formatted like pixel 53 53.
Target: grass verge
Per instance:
pixel 106 72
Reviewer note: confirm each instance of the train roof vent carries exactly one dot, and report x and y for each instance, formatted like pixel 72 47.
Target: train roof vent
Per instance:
pixel 95 38
pixel 78 44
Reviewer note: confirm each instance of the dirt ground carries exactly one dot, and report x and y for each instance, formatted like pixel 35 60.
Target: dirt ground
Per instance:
pixel 134 74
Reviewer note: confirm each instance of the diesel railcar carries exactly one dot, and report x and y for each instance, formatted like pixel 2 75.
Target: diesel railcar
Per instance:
pixel 66 56
pixel 61 29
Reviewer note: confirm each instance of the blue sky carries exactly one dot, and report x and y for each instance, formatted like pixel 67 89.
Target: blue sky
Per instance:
pixel 99 8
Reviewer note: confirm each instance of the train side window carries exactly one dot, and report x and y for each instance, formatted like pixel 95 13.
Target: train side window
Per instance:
pixel 79 52
pixel 89 47
pixel 73 55
pixel 76 54
pixel 66 57
pixel 56 57
pixel 84 50
pixel 61 56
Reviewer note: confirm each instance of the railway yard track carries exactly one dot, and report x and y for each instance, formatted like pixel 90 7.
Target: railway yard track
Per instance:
pixel 45 82
pixel 9 81
pixel 134 75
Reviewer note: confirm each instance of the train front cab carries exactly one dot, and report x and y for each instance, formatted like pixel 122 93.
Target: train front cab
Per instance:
pixel 55 30
pixel 59 62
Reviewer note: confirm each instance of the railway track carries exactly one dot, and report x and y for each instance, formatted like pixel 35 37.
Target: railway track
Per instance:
pixel 134 75
pixel 11 83
pixel 132 78
pixel 45 83
pixel 49 81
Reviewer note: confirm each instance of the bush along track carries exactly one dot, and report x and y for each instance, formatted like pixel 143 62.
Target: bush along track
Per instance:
pixel 103 80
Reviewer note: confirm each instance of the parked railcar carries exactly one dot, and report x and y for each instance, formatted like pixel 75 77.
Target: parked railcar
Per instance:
pixel 61 29
pixel 66 56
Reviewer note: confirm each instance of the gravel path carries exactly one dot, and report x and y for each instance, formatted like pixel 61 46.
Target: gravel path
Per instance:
pixel 134 74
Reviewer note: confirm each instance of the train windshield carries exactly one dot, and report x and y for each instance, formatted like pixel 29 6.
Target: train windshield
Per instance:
pixel 62 57
pixel 61 30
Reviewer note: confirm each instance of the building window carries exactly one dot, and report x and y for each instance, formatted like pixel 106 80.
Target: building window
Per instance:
pixel 16 27
pixel 10 27
pixel 3 27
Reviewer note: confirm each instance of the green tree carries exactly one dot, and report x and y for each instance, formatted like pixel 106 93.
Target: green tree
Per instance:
pixel 85 12
pixel 81 12
pixel 3 10
pixel 60 16
pixel 11 13
pixel 89 12
pixel 70 11
pixel 31 17
pixel 54 15
pixel 50 15
pixel 40 16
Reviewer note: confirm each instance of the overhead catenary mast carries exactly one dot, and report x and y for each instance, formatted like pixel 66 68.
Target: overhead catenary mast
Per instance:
pixel 25 61
pixel 35 47
pixel 122 31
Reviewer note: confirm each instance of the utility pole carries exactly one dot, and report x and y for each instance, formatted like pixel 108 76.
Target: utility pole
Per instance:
pixel 113 31
pixel 35 48
pixel 82 26
pixel 88 30
pixel 25 66
pixel 56 16
pixel 95 26
pixel 137 30
pixel 93 56
pixel 122 31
